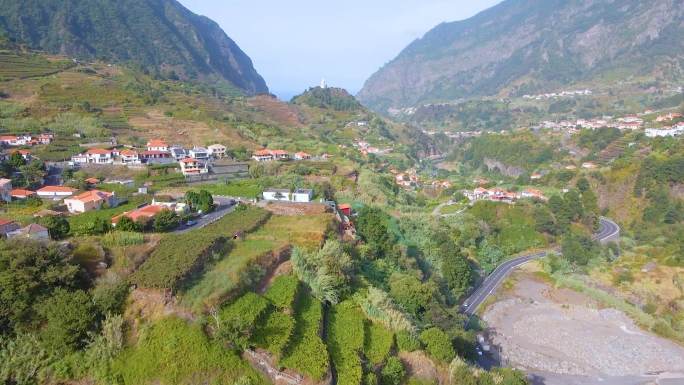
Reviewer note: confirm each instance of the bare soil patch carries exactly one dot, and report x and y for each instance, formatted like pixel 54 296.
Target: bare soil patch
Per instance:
pixel 185 132
pixel 417 364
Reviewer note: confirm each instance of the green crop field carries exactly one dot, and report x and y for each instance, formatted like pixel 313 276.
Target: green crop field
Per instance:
pixel 18 65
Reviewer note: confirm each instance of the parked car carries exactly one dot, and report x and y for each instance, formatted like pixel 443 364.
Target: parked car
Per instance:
pixel 190 223
pixel 479 352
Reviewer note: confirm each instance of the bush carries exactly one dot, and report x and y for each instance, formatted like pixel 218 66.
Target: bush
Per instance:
pixel 650 308
pixel 282 292
pixel 406 341
pixel 345 340
pixel 273 332
pixel 306 352
pixel 378 343
pixel 626 276
pixel 393 372
pixel 437 345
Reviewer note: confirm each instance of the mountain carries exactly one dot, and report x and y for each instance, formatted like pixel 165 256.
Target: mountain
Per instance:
pixel 157 33
pixel 528 46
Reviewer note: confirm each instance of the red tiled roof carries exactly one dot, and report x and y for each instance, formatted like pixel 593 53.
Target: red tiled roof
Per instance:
pixel 147 211
pixel 128 152
pixel 8 137
pixel 98 151
pixel 22 193
pixel 343 206
pixel 156 143
pixel 56 189
pixel 5 221
pixel 92 180
pixel 94 195
pixel 189 160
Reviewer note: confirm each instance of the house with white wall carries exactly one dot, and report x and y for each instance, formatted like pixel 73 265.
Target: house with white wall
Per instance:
pixel 281 194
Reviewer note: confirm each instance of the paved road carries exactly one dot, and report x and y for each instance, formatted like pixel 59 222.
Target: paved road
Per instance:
pixel 607 230
pixel 224 207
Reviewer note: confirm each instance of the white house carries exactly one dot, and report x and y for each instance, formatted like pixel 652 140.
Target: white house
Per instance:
pixel 129 156
pixel 299 195
pixel 79 158
pixel 33 231
pixel 90 200
pixel 199 153
pixel 178 153
pixel 267 155
pixel 589 165
pixel 157 145
pixel 217 150
pixel 665 131
pixel 302 155
pixel 193 167
pixel 56 192
pixel 6 190
pixel 99 156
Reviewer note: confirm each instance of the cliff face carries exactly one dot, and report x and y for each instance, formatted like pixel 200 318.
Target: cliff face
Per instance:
pixel 513 171
pixel 528 46
pixel 157 33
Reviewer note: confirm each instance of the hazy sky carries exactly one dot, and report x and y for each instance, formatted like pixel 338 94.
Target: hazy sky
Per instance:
pixel 294 44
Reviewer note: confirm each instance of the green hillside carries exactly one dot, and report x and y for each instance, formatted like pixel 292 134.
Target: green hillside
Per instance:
pixel 526 47
pixel 161 34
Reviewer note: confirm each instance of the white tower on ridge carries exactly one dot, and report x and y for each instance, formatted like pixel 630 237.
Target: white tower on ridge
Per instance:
pixel 323 85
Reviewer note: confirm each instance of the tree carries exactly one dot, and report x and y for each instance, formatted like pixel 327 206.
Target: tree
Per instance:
pixel 372 227
pixel 70 316
pixel 126 224
pixel 33 171
pixel 327 271
pixel 57 227
pixel 582 184
pixel 30 271
pixel 393 372
pixel 101 226
pixel 165 220
pixel 412 294
pixel 456 272
pixel 437 345
pixel 16 159
pixel 544 221
pixel 67 174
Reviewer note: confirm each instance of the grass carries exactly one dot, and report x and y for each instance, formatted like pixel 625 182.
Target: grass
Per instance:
pixel 450 209
pixel 303 231
pixel 243 189
pixel 233 268
pixel 171 351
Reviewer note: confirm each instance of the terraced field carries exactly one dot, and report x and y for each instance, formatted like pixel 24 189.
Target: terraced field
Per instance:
pixel 21 66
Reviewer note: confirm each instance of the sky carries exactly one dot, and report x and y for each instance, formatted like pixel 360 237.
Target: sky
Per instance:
pixel 295 44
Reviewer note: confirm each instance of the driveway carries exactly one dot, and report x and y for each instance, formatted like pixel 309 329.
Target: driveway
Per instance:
pixel 224 207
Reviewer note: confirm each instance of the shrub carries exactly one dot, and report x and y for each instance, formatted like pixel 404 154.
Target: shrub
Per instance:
pixel 273 332
pixel 282 292
pixel 306 352
pixel 624 277
pixel 437 345
pixel 345 340
pixel 378 342
pixel 407 341
pixel 650 307
pixel 393 372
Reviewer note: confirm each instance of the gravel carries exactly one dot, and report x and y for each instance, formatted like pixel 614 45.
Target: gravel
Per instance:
pixel 575 340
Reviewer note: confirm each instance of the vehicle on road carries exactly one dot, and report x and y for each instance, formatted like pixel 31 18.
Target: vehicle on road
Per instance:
pixel 190 223
pixel 465 304
pixel 232 202
pixel 479 352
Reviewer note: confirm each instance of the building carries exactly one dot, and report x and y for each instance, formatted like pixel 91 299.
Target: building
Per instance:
pixel 193 167
pixel 129 157
pixel 535 176
pixel 55 192
pixel 154 156
pixel 299 195
pixel 217 150
pixel 79 159
pixel 327 156
pixel 43 213
pixel 90 200
pixel 268 155
pixel 345 208
pixel 23 194
pixel 46 138
pixel 178 153
pixel 533 193
pixel 302 155
pixel 99 156
pixel 33 231
pixel 157 145
pixel 6 190
pixel 93 181
pixel 571 167
pixel 144 212
pixel 24 154
pixel 7 226
pixel 323 85
pixel 589 165
pixel 665 131
pixel 199 153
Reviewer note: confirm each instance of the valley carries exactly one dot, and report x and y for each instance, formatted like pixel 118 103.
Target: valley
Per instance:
pixel 166 220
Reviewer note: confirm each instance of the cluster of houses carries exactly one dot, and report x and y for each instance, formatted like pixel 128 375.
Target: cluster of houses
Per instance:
pixel 458 134
pixel 556 95
pixel 624 123
pixel 410 178
pixel 365 148
pixel 26 140
pixel 266 155
pixel 498 194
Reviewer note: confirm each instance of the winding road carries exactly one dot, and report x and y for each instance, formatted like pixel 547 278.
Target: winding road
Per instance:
pixel 607 231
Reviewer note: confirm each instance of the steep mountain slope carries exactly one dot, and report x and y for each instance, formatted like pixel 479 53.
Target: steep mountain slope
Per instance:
pixel 158 33
pixel 527 46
